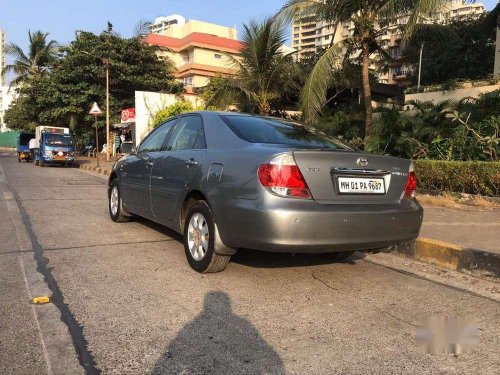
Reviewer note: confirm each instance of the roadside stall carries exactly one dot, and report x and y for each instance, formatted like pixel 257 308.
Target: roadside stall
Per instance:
pixel 122 137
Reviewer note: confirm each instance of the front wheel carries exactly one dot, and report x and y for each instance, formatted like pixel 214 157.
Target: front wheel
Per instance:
pixel 199 238
pixel 116 211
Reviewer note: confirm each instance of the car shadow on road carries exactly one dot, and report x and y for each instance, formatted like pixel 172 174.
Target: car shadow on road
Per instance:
pixel 263 259
pixel 217 341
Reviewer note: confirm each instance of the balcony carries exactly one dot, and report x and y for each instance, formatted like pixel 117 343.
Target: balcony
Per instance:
pixel 402 75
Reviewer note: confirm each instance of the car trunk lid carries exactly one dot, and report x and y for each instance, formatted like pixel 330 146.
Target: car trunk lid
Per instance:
pixel 374 179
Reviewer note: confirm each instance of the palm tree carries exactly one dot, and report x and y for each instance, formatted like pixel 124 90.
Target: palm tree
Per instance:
pixel 368 18
pixel 265 75
pixel 40 57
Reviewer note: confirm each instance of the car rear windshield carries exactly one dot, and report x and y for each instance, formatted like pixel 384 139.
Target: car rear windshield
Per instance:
pixel 256 129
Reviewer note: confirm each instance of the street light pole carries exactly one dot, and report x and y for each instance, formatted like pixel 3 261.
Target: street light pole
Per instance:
pixel 420 66
pixel 108 147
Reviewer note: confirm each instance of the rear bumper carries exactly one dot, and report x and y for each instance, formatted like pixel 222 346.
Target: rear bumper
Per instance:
pixel 307 226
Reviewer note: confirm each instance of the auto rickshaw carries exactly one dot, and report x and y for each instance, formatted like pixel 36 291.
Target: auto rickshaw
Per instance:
pixel 23 149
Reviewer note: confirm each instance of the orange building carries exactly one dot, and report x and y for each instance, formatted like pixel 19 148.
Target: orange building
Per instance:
pixel 199 51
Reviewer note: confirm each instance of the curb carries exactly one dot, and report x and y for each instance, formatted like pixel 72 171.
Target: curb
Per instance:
pixel 451 256
pixel 93 168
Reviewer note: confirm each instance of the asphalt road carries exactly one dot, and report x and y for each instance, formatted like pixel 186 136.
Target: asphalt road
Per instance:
pixel 133 305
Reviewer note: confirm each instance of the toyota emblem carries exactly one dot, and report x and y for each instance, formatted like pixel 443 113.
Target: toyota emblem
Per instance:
pixel 362 162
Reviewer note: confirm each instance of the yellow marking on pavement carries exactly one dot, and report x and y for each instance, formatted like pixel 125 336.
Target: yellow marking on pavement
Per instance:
pixel 40 300
pixel 8 195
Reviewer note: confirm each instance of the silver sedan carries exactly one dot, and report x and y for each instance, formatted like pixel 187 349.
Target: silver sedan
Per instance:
pixel 229 181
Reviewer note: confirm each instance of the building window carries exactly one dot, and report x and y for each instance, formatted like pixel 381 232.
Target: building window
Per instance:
pixel 295 35
pixel 327 37
pixel 217 56
pixel 187 81
pixel 296 28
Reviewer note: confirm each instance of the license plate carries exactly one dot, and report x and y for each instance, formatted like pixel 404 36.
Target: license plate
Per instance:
pixel 57 157
pixel 354 185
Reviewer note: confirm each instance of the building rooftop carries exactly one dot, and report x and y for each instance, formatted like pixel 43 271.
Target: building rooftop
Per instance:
pixel 195 40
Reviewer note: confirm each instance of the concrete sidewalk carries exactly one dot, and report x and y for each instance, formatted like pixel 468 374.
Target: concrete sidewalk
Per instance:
pixel 476 229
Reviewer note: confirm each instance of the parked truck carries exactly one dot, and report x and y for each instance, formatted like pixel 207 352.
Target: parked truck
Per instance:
pixel 53 145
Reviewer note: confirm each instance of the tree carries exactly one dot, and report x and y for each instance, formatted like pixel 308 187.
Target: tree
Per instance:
pixel 78 79
pixel 367 17
pixel 471 53
pixel 265 75
pixel 41 56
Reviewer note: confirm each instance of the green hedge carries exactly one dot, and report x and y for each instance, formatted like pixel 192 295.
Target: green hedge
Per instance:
pixel 471 177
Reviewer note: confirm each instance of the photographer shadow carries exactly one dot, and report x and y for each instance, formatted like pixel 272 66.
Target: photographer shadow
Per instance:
pixel 218 341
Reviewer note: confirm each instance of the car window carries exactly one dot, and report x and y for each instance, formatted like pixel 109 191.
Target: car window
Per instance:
pixel 155 140
pixel 256 129
pixel 188 134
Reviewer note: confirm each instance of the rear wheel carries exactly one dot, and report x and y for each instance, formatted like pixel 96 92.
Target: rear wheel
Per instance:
pixel 116 211
pixel 199 237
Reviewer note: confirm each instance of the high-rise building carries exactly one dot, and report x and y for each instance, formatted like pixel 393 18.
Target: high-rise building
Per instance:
pixel 199 50
pixel 3 44
pixel 309 35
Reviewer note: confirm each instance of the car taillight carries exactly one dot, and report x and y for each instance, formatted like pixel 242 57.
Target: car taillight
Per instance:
pixel 282 176
pixel 411 184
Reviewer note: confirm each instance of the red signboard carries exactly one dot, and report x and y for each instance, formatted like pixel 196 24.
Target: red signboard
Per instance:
pixel 128 115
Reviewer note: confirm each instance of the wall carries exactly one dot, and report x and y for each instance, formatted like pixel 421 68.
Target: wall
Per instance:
pixel 9 139
pixel 439 96
pixel 147 104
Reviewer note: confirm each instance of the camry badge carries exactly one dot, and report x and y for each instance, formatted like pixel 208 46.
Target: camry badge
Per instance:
pixel 362 162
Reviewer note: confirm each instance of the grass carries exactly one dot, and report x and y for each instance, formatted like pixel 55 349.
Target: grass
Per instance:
pixel 459 201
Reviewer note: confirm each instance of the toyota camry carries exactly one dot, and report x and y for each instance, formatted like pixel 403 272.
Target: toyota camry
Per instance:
pixel 229 181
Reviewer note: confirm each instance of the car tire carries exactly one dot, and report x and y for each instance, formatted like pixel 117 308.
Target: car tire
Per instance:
pixel 199 240
pixel 115 204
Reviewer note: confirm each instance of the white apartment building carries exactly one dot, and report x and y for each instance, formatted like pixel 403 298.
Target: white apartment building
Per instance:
pixel 309 35
pixel 164 23
pixel 3 44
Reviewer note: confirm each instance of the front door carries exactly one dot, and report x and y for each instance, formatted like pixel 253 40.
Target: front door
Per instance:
pixel 175 168
pixel 136 172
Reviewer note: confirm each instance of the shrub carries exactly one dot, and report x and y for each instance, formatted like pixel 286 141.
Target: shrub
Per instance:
pixel 172 110
pixel 471 177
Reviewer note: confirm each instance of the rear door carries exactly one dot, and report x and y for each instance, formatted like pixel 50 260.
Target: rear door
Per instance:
pixel 136 172
pixel 175 167
pixel 352 177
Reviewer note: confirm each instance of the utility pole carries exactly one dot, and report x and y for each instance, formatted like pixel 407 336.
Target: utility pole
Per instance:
pixel 108 148
pixel 420 66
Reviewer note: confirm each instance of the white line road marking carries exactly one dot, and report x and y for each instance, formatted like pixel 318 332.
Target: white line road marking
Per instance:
pixel 47 189
pixel 39 329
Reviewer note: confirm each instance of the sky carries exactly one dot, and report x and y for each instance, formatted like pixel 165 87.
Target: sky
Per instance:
pixel 61 18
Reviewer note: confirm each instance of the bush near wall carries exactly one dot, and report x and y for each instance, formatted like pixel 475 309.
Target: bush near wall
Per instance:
pixel 471 177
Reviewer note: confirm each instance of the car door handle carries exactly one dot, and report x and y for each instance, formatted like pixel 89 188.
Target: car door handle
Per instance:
pixel 191 162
